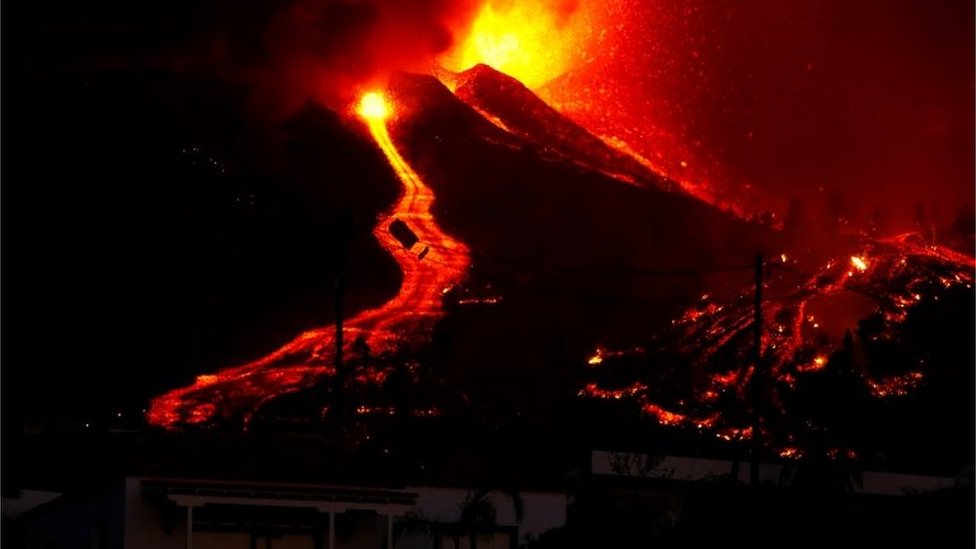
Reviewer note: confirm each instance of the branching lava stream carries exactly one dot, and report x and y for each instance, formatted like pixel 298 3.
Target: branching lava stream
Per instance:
pixel 431 262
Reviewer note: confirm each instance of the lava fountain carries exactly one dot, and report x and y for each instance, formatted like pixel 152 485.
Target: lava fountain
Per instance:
pixel 534 42
pixel 431 262
pixel 546 45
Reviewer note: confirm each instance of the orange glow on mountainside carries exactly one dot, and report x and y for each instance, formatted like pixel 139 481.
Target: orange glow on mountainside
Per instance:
pixel 431 265
pixel 532 41
pixel 546 45
pixel 901 274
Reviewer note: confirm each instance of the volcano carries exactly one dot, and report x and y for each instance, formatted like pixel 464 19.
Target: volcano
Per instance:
pixel 509 104
pixel 529 193
pixel 520 237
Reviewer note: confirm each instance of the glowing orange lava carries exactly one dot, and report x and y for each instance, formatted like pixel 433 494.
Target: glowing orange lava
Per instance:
pixel 899 273
pixel 533 41
pixel 431 265
pixel 373 106
pixel 547 45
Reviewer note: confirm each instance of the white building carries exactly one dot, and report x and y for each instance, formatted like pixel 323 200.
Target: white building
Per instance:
pixel 178 513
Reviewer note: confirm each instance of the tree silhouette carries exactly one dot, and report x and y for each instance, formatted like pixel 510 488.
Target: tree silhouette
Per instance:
pixel 479 515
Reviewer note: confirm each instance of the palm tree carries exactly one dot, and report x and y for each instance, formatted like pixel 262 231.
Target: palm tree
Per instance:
pixel 479 515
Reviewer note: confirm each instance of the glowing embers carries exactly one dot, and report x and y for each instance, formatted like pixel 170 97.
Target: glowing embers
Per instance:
pixel 895 386
pixel 840 328
pixel 602 354
pixel 818 363
pixel 734 434
pixel 665 417
pixel 370 336
pixel 542 44
pixel 534 41
pixel 697 187
pixel 790 452
pixel 594 391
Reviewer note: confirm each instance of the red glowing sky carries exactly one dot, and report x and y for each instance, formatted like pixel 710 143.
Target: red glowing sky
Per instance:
pixel 869 99
pixel 771 100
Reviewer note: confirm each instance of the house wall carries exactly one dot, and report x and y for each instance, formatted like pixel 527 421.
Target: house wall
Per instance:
pixel 145 525
pixel 94 522
pixel 123 518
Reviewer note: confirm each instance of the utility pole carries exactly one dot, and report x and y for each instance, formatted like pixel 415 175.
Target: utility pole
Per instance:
pixel 339 284
pixel 758 377
pixel 339 289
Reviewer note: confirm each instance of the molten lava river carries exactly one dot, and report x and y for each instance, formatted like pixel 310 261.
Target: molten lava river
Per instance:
pixel 430 266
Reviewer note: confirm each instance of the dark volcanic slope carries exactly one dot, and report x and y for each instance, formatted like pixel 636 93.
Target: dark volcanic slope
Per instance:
pixel 508 201
pixel 580 259
pixel 521 112
pixel 171 233
pixel 577 256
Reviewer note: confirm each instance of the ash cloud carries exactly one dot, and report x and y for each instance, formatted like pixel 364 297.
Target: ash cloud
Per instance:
pixel 329 50
pixel 283 52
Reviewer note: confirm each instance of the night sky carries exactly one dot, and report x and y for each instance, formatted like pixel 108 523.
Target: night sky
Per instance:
pixel 159 220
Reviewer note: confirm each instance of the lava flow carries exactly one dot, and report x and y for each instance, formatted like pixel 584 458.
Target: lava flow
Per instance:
pixel 431 262
pixel 861 303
